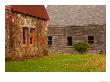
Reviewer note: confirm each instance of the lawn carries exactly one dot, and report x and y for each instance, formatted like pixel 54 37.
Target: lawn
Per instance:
pixel 60 63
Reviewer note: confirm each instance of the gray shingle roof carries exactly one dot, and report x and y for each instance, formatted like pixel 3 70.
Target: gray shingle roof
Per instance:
pixel 76 14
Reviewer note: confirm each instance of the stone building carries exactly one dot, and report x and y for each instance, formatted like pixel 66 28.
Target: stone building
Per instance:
pixel 73 23
pixel 26 27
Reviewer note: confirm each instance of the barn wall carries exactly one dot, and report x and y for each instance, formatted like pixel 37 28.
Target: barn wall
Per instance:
pixel 14 36
pixel 79 33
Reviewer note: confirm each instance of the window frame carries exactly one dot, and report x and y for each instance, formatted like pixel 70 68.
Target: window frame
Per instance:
pixel 26 36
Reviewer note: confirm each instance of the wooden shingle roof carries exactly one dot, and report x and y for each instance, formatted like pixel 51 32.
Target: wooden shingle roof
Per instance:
pixel 76 15
pixel 33 10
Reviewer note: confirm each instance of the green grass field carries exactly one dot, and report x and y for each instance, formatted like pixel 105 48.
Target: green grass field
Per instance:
pixel 60 63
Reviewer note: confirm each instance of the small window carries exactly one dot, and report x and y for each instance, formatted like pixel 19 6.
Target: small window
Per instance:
pixel 25 32
pixel 49 40
pixel 28 36
pixel 69 41
pixel 32 35
pixel 91 39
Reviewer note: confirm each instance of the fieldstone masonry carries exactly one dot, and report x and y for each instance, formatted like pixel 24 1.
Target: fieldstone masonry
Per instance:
pixel 15 22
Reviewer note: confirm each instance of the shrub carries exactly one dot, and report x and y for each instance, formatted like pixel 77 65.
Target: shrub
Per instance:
pixel 81 47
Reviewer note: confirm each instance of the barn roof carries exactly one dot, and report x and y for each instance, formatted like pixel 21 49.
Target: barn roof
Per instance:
pixel 76 15
pixel 33 10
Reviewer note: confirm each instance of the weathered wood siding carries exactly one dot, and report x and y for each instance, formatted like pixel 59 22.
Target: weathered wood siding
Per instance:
pixel 79 33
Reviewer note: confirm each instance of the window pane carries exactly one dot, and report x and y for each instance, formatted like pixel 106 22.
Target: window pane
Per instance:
pixel 69 40
pixel 90 39
pixel 49 40
pixel 30 40
pixel 23 36
pixel 32 30
pixel 25 31
pixel 49 37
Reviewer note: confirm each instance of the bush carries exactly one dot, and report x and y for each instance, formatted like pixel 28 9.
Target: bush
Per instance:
pixel 81 47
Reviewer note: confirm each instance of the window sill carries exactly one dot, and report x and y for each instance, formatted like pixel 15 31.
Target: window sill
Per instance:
pixel 30 45
pixel 49 45
pixel 69 46
pixel 24 45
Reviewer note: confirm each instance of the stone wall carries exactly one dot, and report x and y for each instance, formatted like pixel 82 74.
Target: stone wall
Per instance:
pixel 79 33
pixel 15 22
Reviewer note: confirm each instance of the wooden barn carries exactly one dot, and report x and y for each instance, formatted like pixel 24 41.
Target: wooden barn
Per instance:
pixel 69 24
pixel 26 31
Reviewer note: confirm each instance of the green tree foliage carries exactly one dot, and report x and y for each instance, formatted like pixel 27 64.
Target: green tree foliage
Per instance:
pixel 81 47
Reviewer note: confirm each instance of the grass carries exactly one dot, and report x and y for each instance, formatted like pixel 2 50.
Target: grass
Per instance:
pixel 60 63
